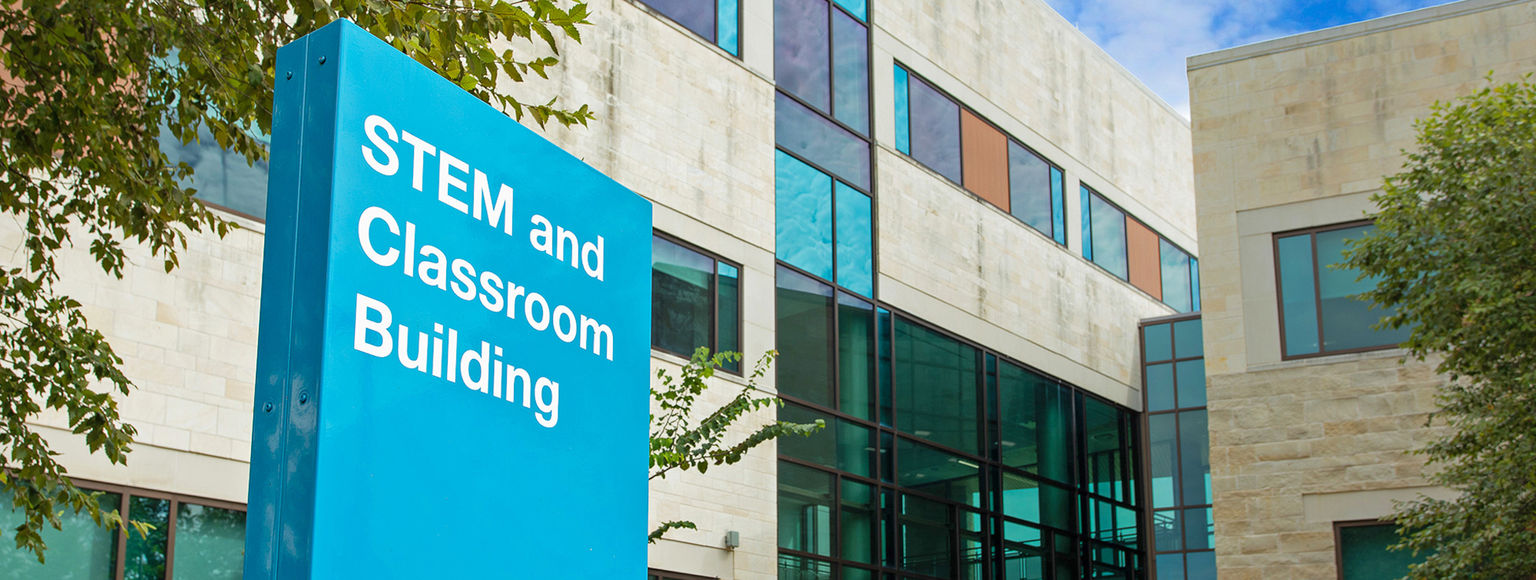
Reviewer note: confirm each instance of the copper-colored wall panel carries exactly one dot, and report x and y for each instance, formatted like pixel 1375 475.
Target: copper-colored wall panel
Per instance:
pixel 1146 268
pixel 985 155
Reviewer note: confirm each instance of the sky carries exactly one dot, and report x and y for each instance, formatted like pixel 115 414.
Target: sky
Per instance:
pixel 1152 38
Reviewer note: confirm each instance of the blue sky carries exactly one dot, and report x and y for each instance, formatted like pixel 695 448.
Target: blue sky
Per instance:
pixel 1153 38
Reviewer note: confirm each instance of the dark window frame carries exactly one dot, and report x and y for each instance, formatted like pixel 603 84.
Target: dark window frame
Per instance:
pixel 741 47
pixel 1149 547
pixel 714 293
pixel 1317 289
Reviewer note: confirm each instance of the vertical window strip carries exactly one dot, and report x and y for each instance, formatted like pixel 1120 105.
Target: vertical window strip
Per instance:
pixel 903 112
pixel 1058 207
pixel 728 26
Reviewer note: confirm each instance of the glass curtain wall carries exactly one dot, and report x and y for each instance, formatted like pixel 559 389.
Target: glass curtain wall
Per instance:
pixel 1178 449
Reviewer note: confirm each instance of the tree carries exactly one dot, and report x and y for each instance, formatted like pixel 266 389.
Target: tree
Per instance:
pixel 86 89
pixel 1455 252
pixel 680 443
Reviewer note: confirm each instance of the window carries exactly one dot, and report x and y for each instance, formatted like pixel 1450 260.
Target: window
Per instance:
pixel 1127 248
pixel 821 58
pixel 823 225
pixel 1363 555
pixel 1178 448
pixel 718 21
pixel 950 139
pixel 192 538
pixel 1320 312
pixel 695 301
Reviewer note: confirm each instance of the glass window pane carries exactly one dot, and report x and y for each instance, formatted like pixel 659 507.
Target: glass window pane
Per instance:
pixel 1199 529
pixel 1200 565
pixel 1086 221
pixel 927 537
pixel 859 8
pixel 1058 207
pixel 1191 383
pixel 1298 299
pixel 1034 423
pixel 1162 434
pixel 803 215
pixel 728 26
pixel 1105 439
pixel 1347 319
pixel 937 473
pixel 1160 387
pixel 695 15
pixel 1142 256
pixel 80 550
pixel 813 137
pixel 220 176
pixel 1038 502
pixel 1195 457
pixel 936 384
pixel 805 509
pixel 935 130
pixel 728 311
pixel 1171 567
pixel 801 61
pixel 1363 553
pixel 1175 277
pixel 681 305
pixel 841 445
pixel 855 241
pixel 1024 557
pixel 1168 530
pixel 210 542
pixel 1030 188
pixel 797 568
pixel 1157 342
pixel 1108 236
pixel 984 159
pixel 145 559
pixel 883 349
pixel 804 310
pixel 856 356
pixel 903 112
pixel 860 522
pixel 1188 339
pixel 1194 281
pixel 850 60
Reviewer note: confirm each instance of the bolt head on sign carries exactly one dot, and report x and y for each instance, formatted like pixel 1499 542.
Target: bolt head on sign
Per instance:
pixel 455 327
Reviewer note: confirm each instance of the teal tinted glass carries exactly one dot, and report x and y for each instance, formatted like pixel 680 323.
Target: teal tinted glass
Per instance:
pixel 682 281
pixel 803 215
pixel 210 542
pixel 1298 298
pixel 851 573
pixel 728 26
pixel 1160 392
pixel 938 473
pixel 221 177
pixel 856 356
pixel 1200 566
pixel 841 445
pixel 1108 237
pixel 1030 188
pixel 1105 441
pixel 804 311
pixel 1058 207
pixel 1086 221
pixel 1363 553
pixel 798 568
pixel 1168 530
pixel 1038 502
pixel 1195 457
pixel 858 8
pixel 1111 523
pixel 79 550
pixel 926 538
pixel 1171 567
pixel 850 70
pixel 1175 266
pixel 1194 281
pixel 903 112
pixel 1163 443
pixel 1191 377
pixel 859 523
pixel 1199 529
pixel 936 387
pixel 855 241
pixel 1188 339
pixel 883 349
pixel 728 312
pixel 805 509
pixel 811 136
pixel 1157 342
pixel 145 559
pixel 1347 318
pixel 1034 423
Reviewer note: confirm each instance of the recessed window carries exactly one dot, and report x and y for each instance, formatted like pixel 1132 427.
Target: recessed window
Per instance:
pixel 1320 308
pixel 718 21
pixel 1127 248
pixel 1364 555
pixel 695 301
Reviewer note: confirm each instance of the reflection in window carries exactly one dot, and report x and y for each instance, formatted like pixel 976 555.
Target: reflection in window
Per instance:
pixel 695 301
pixel 1104 234
pixel 806 224
pixel 1127 248
pixel 821 56
pixel 78 550
pixel 811 136
pixel 1320 308
pixel 209 542
pixel 936 388
pixel 221 177
pixel 717 21
pixel 804 310
pixel 934 127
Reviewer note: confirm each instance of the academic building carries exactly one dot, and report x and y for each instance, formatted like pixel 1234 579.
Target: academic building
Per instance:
pixel 972 238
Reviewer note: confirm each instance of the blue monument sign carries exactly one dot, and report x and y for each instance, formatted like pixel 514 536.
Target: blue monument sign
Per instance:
pixel 455 330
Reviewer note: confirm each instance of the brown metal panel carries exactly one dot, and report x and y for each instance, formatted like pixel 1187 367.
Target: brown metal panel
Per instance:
pixel 1141 252
pixel 984 156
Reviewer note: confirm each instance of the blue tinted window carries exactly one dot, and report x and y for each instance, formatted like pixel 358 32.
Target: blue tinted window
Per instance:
pixel 903 112
pixel 1108 224
pixel 1162 436
pixel 1086 220
pixel 801 61
pixel 855 243
pixel 850 54
pixel 1175 266
pixel 1194 281
pixel 1363 553
pixel 803 208
pixel 1188 339
pixel 859 8
pixel 1158 342
pixel 728 27
pixel 1030 188
pixel 935 126
pixel 812 136
pixel 1171 567
pixel 1200 565
pixel 1191 376
pixel 1195 457
pixel 1159 387
pixel 1347 319
pixel 1058 207
pixel 695 15
pixel 221 177
pixel 1298 294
